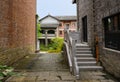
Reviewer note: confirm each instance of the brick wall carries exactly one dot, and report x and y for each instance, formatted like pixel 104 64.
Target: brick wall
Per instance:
pixel 72 26
pixel 17 29
pixel 110 58
pixel 96 10
pixel 85 8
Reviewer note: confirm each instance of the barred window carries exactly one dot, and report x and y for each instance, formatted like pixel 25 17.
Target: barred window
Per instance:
pixel 112 31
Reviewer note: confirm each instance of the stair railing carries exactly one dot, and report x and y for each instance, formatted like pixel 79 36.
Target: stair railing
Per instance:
pixel 68 46
pixel 71 51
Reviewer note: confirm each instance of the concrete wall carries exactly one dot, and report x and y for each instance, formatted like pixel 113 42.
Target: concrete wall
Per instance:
pixel 17 29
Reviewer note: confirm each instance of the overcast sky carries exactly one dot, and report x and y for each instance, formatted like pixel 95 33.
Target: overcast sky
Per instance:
pixel 55 7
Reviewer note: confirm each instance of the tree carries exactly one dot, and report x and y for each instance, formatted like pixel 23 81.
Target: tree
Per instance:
pixel 38 30
pixel 38 27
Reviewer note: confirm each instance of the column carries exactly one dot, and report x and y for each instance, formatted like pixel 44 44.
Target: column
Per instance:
pixel 56 33
pixel 38 45
pixel 46 40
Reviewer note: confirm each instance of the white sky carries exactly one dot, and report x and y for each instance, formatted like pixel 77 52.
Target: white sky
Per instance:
pixel 55 7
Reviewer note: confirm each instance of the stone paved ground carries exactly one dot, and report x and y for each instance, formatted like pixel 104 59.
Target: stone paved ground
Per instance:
pixel 52 68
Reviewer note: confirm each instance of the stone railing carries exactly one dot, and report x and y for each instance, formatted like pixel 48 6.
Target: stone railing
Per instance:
pixel 49 35
pixel 70 45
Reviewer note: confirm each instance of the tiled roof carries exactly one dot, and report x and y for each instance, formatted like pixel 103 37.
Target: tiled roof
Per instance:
pixel 49 25
pixel 66 17
pixel 48 16
pixel 73 1
pixel 61 17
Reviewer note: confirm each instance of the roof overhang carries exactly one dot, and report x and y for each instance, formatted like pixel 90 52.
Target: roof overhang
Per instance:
pixel 67 18
pixel 49 25
pixel 73 1
pixel 48 16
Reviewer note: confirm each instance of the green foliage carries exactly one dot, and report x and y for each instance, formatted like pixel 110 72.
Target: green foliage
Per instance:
pixel 43 47
pixel 5 71
pixel 55 46
pixel 38 26
pixel 38 30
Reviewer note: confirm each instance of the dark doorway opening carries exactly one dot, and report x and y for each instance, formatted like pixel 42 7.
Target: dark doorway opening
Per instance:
pixel 84 27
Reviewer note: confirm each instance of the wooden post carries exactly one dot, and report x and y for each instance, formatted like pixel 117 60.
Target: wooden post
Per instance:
pixel 96 45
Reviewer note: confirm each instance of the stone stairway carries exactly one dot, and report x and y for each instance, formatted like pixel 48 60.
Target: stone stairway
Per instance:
pixel 80 54
pixel 85 59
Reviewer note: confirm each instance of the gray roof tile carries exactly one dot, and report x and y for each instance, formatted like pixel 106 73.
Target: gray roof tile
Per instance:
pixel 49 25
pixel 66 17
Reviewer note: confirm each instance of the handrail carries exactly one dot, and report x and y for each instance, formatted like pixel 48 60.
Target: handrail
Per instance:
pixel 70 47
pixel 68 55
pixel 70 43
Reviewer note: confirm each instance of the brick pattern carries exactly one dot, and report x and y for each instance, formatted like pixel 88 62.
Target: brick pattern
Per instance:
pixel 96 10
pixel 17 28
pixel 85 9
pixel 110 58
pixel 72 26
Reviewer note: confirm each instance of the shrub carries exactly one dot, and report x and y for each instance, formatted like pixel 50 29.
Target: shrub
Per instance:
pixel 56 45
pixel 5 71
pixel 43 47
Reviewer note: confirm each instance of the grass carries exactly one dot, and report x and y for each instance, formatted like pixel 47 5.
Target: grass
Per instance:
pixel 55 46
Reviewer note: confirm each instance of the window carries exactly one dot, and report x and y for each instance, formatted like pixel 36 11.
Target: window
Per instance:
pixel 67 26
pixel 60 24
pixel 43 31
pixel 115 23
pixel 74 24
pixel 60 32
pixel 112 31
pixel 119 21
pixel 112 23
pixel 51 32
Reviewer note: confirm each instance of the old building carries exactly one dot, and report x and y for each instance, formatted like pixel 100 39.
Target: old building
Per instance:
pixel 53 26
pixel 17 29
pixel 66 21
pixel 99 24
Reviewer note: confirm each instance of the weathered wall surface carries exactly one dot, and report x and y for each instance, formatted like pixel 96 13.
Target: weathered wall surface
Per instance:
pixel 17 29
pixel 96 10
pixel 110 58
pixel 72 27
pixel 85 8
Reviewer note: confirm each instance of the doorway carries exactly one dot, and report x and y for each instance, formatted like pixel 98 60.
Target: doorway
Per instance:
pixel 84 27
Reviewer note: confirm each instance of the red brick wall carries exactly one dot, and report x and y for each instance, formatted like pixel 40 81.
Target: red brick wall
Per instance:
pixel 72 27
pixel 17 28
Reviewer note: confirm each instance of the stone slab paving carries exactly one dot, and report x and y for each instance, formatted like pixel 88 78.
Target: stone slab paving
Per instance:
pixel 52 68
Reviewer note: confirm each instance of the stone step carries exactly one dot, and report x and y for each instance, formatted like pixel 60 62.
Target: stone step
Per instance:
pixel 83 49
pixel 86 63
pixel 90 68
pixel 82 46
pixel 86 59
pixel 84 55
pixel 83 52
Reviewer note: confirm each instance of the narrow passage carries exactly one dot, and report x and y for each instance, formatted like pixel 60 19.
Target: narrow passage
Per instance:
pixel 48 62
pixel 52 68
